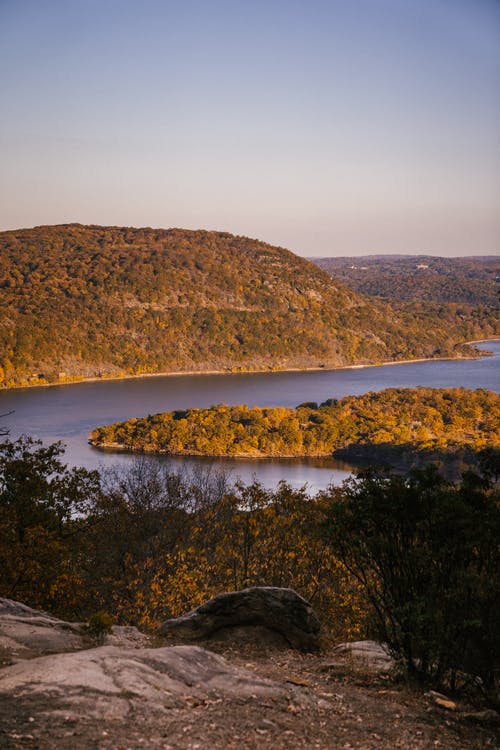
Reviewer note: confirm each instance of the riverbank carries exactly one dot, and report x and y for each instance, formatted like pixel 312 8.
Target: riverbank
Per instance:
pixel 250 456
pixel 236 371
pixel 51 414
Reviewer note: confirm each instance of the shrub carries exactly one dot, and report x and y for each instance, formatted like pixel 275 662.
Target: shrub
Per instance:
pixel 426 554
pixel 99 625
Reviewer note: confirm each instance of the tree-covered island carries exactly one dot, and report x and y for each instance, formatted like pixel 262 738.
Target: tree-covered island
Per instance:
pixel 439 420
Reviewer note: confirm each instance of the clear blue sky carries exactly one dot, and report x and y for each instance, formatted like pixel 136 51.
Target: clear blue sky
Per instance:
pixel 328 127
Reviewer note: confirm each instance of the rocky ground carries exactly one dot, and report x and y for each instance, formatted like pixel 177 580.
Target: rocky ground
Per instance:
pixel 58 689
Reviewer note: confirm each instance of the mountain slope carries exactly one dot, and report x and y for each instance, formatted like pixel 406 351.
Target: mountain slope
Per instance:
pixel 86 301
pixel 472 280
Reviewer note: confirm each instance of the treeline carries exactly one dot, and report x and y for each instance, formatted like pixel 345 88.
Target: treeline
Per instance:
pixel 88 301
pixel 420 418
pixel 411 560
pixel 461 281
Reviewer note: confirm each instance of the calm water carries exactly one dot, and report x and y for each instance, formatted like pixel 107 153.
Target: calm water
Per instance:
pixel 70 412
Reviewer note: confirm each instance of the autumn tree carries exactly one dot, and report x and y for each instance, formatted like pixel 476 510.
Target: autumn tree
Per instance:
pixel 42 505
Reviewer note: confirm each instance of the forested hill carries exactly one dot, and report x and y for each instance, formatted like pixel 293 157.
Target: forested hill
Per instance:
pixel 472 280
pixel 90 301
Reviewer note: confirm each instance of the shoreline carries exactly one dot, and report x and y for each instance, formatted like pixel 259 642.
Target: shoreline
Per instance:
pixel 348 460
pixel 119 448
pixel 184 373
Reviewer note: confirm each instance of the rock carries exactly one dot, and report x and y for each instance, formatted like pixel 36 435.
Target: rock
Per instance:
pixel 109 682
pixel 368 655
pixel 267 724
pixel 277 609
pixel 126 635
pixel 449 705
pixel 298 681
pixel 441 700
pixel 324 705
pixel 27 632
pixel 488 716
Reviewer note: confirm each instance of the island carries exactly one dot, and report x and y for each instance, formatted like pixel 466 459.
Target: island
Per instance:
pixel 377 426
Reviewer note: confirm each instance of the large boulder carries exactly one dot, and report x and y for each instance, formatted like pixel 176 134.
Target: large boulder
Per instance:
pixel 26 632
pixel 279 610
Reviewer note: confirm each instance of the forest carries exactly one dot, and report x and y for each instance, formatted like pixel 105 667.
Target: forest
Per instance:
pixel 412 420
pixel 94 302
pixel 472 280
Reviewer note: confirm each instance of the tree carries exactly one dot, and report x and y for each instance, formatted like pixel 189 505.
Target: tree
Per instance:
pixel 42 507
pixel 426 554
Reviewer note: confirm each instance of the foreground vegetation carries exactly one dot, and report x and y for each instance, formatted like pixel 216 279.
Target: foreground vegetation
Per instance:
pixel 382 426
pixel 88 301
pixel 411 560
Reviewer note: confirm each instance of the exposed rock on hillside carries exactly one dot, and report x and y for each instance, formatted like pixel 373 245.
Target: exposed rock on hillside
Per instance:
pixel 369 656
pixel 119 678
pixel 279 610
pixel 28 632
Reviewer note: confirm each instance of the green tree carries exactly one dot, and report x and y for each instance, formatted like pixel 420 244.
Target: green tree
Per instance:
pixel 42 505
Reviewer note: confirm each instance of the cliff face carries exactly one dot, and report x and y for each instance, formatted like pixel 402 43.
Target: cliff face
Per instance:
pixel 86 301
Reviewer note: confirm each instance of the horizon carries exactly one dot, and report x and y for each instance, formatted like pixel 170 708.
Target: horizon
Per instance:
pixel 333 129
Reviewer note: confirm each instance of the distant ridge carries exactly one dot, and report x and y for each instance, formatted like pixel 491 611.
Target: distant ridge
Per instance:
pixel 473 280
pixel 89 301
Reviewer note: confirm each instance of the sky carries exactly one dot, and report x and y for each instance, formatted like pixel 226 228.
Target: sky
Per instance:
pixel 325 126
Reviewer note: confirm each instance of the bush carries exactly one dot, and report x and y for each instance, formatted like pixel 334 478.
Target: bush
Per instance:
pixel 99 625
pixel 426 554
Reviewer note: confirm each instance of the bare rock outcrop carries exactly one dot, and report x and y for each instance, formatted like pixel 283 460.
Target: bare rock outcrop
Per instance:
pixel 279 610
pixel 26 633
pixel 109 682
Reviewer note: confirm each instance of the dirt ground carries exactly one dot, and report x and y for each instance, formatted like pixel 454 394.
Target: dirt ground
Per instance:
pixel 326 708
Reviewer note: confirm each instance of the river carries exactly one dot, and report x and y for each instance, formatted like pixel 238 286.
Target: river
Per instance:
pixel 70 412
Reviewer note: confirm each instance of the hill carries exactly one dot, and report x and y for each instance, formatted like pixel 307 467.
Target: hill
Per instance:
pixel 88 301
pixel 469 280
